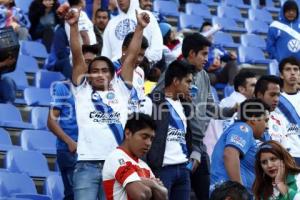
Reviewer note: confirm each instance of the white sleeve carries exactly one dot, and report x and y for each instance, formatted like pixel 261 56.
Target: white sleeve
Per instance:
pixel 106 49
pixel 154 52
pixel 146 106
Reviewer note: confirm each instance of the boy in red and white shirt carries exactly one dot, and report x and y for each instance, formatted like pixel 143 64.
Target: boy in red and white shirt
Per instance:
pixel 125 175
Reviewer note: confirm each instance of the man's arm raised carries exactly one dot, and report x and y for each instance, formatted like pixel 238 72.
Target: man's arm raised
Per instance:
pixel 79 66
pixel 128 67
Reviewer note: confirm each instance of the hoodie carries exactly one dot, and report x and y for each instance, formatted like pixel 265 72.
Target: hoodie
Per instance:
pixel 119 26
pixel 280 44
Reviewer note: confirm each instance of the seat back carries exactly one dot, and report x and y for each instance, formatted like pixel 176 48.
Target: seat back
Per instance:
pixel 190 21
pixel 54 187
pixel 27 64
pixel 260 14
pixel 230 12
pixel 33 163
pixel 166 8
pixel 40 140
pixel 256 26
pixel 253 40
pixel 39 117
pixel 197 9
pixel 13 183
pixel 4 137
pixel 44 78
pixel 37 96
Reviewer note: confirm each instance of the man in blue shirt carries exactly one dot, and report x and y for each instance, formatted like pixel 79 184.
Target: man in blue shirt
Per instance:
pixel 233 157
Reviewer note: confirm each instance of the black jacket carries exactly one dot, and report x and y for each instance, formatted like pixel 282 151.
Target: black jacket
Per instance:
pixel 155 156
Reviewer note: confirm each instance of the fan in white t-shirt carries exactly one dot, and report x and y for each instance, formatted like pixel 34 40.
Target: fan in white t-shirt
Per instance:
pixel 125 175
pixel 101 101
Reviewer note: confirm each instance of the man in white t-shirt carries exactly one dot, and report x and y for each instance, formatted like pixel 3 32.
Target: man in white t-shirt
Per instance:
pixel 137 94
pixel 85 26
pixel 244 84
pixel 125 175
pixel 268 89
pixel 170 156
pixel 101 100
pixel 290 98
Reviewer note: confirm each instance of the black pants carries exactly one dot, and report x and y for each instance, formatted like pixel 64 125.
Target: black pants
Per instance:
pixel 200 179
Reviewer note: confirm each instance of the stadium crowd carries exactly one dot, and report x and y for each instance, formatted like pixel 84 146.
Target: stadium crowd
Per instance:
pixel 137 116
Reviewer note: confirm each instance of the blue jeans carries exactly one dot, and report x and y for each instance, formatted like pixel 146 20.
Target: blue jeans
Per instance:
pixel 7 90
pixel 176 178
pixel 66 162
pixel 87 180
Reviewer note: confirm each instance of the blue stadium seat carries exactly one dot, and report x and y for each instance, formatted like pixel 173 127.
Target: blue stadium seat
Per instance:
pixel 260 14
pixel 27 63
pixel 15 186
pixel 237 3
pixel 23 4
pixel 5 141
pixel 228 24
pixel 198 9
pixel 256 26
pixel 19 78
pixel 33 163
pixel 225 40
pixel 273 68
pixel 37 96
pixel 38 140
pixel 269 5
pixel 166 8
pixel 190 21
pixel 215 94
pixel 34 49
pixel 230 13
pixel 228 89
pixel 10 117
pixel 252 40
pixel 54 187
pixel 44 78
pixel 252 55
pixel 39 117
pixel 210 2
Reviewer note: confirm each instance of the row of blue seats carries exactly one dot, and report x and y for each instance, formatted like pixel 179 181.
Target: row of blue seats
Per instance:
pixel 30 140
pixel 19 186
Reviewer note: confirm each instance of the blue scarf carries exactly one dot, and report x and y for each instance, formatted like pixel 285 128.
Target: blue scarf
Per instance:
pixel 288 110
pixel 99 105
pixel 178 124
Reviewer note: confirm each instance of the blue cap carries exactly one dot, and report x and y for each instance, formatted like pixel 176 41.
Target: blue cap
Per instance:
pixel 164 28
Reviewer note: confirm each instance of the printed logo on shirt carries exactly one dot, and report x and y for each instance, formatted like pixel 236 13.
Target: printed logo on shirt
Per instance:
pixel 107 118
pixel 294 45
pixel 293 129
pixel 110 95
pixel 244 129
pixel 176 135
pixel 235 139
pixel 124 27
pixel 121 161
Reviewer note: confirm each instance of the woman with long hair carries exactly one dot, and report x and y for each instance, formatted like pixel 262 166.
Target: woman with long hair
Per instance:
pixel 277 176
pixel 43 19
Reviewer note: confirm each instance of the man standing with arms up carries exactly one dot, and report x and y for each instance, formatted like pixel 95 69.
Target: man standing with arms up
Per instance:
pixel 101 102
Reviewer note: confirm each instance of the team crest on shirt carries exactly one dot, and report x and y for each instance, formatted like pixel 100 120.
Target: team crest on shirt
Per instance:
pixel 124 27
pixel 244 128
pixel 110 95
pixel 294 45
pixel 121 161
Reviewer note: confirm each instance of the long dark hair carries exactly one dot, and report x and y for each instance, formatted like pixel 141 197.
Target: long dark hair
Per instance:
pixel 262 187
pixel 36 11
